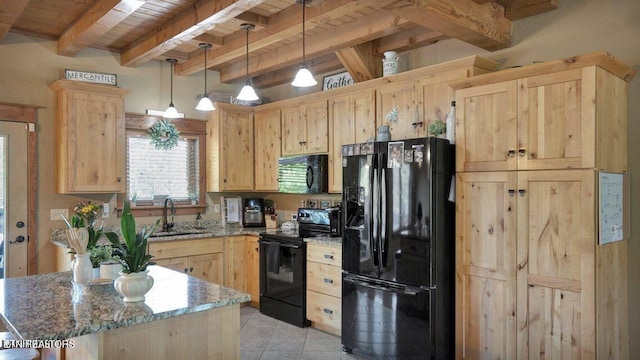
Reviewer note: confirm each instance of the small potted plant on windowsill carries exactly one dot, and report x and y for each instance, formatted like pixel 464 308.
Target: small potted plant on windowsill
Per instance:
pixel 134 281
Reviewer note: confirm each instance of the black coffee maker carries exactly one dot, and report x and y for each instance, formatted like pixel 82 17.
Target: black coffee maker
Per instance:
pixel 253 213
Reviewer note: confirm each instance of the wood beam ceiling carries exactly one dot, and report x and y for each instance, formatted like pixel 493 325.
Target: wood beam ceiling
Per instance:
pixel 360 62
pixel 319 65
pixel 481 25
pixel 195 21
pixel 519 9
pixel 10 10
pixel 103 16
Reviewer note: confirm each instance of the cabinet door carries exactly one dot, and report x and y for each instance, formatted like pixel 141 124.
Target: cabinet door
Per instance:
pixel 485 266
pixel 95 149
pixel 351 120
pixel 236 265
pixel 554 126
pixel 180 264
pixel 317 136
pixel 486 127
pixel 252 251
pixel 208 267
pixel 237 153
pixel 404 98
pixel 436 98
pixel 294 131
pixel 556 262
pixel 267 143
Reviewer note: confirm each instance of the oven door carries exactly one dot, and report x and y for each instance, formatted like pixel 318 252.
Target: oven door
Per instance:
pixel 282 270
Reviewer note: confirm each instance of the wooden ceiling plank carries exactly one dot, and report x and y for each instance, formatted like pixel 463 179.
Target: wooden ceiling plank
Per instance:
pixel 192 22
pixel 282 25
pixel 101 17
pixel 350 34
pixel 10 11
pixel 519 9
pixel 360 62
pixel 260 22
pixel 481 25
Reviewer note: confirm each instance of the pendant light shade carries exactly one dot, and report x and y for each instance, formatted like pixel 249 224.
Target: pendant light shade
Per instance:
pixel 303 78
pixel 171 112
pixel 205 103
pixel 247 93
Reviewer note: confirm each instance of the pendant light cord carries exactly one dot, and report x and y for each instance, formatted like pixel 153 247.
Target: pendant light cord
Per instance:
pixel 205 70
pixel 304 62
pixel 172 63
pixel 247 28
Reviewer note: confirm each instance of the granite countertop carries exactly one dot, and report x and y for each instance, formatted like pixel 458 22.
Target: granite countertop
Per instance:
pixel 50 307
pixel 180 232
pixel 325 240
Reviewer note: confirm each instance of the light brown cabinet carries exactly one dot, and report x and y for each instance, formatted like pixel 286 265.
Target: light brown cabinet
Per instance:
pixel 268 148
pixel 252 251
pixel 351 120
pixel 90 141
pixel 230 151
pixel 324 287
pixel 532 279
pixel 305 128
pixel 202 258
pixel 403 98
pixel 235 263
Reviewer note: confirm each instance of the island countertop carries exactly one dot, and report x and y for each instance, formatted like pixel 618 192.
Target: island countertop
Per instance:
pixel 50 307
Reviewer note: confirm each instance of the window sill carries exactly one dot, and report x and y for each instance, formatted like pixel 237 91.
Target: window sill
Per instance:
pixel 157 210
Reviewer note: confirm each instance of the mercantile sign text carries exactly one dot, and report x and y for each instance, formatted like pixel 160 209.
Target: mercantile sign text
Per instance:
pixel 92 77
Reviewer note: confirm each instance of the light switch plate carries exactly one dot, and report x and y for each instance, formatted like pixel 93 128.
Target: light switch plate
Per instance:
pixel 55 212
pixel 105 210
pixel 216 208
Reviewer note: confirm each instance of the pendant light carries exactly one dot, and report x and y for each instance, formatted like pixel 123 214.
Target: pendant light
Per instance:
pixel 247 93
pixel 205 103
pixel 171 112
pixel 303 78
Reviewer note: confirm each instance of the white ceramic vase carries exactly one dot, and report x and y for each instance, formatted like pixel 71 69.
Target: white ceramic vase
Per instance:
pixel 133 286
pixel 82 269
pixel 389 63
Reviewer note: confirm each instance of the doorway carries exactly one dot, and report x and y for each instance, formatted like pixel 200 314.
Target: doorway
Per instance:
pixel 13 199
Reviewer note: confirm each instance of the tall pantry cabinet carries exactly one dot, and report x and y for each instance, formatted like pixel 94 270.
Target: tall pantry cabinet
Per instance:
pixel 532 281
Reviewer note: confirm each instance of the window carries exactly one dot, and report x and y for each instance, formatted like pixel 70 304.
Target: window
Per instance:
pixel 154 174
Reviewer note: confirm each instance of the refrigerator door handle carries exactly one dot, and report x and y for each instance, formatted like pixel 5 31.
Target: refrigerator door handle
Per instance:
pixel 374 233
pixel 400 289
pixel 383 218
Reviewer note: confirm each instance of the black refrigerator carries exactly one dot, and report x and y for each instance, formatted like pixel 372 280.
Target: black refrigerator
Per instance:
pixel 398 261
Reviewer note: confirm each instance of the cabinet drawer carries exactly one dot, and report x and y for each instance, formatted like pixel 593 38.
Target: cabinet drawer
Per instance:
pixel 329 255
pixel 326 279
pixel 324 311
pixel 177 248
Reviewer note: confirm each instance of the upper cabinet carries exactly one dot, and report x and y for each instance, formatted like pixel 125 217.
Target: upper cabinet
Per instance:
pixel 351 120
pixel 267 144
pixel 399 106
pixel 540 121
pixel 230 155
pixel 305 128
pixel 90 142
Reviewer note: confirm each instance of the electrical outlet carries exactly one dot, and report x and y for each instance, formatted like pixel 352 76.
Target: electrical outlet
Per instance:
pixel 294 217
pixel 216 208
pixel 55 212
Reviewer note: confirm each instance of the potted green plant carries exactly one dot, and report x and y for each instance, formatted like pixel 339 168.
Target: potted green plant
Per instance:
pixel 99 254
pixel 134 281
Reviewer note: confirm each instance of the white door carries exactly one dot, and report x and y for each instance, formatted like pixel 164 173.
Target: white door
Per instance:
pixel 13 199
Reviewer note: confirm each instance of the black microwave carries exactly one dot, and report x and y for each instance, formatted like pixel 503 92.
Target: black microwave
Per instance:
pixel 306 174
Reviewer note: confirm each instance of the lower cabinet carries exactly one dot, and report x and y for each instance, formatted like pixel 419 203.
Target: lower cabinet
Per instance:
pixel 202 258
pixel 324 287
pixel 252 251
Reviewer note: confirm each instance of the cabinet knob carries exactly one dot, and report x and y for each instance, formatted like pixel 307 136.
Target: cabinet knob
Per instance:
pixel 522 152
pixel 417 124
pixel 186 270
pixel 191 269
pixel 119 179
pixel 511 153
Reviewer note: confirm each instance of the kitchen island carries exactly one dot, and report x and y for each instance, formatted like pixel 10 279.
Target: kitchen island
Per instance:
pixel 181 317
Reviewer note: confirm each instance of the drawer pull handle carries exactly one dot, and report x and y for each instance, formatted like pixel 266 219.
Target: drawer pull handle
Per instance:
pixel 327 311
pixel 328 256
pixel 328 281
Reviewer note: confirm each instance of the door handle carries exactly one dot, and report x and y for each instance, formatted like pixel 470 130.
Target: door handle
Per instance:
pixel 19 239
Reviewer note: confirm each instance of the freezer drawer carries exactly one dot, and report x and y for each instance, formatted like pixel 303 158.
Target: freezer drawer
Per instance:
pixel 386 323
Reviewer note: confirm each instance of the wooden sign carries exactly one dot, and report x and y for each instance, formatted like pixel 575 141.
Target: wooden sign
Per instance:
pixel 337 81
pixel 98 78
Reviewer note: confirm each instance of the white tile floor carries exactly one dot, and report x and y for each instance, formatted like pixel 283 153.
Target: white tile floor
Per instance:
pixel 265 338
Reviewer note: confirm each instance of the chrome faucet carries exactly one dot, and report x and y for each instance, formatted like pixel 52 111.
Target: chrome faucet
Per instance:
pixel 166 225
